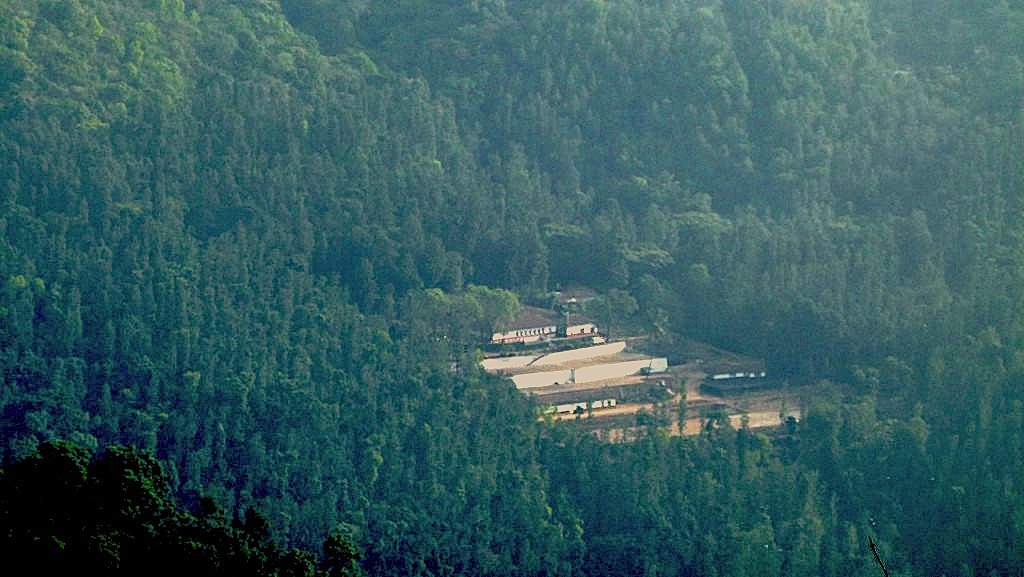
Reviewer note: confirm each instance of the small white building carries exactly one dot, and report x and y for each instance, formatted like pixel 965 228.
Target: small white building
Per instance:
pixel 583 406
pixel 527 335
pixel 580 330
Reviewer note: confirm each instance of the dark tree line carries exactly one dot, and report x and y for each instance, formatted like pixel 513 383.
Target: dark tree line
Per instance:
pixel 65 508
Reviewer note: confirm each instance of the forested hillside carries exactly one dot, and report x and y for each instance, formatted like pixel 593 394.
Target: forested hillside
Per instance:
pixel 263 241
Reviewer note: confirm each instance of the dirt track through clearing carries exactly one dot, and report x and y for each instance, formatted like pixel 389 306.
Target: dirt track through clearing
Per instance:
pixel 762 408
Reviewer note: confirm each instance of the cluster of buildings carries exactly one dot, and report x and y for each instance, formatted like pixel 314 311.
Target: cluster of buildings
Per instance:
pixel 570 367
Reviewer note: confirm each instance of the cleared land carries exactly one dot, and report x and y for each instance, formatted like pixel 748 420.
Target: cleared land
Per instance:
pixel 691 364
pixel 762 409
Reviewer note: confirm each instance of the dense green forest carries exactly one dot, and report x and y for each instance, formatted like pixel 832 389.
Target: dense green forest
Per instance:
pixel 65 509
pixel 261 241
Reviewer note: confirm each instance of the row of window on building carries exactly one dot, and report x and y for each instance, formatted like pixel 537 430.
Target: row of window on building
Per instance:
pixel 529 335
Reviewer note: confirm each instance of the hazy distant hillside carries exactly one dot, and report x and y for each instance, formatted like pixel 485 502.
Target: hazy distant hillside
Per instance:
pixel 646 130
pixel 263 240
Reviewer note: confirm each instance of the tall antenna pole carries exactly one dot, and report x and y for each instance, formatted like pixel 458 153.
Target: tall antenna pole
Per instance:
pixel 877 558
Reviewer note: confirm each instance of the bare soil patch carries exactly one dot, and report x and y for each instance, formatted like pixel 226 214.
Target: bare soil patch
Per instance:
pixel 761 409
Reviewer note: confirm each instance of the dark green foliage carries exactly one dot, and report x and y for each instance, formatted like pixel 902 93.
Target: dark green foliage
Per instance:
pixel 262 242
pixel 341 555
pixel 64 509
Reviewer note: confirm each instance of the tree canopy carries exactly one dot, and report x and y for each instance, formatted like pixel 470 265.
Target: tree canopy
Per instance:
pixel 249 252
